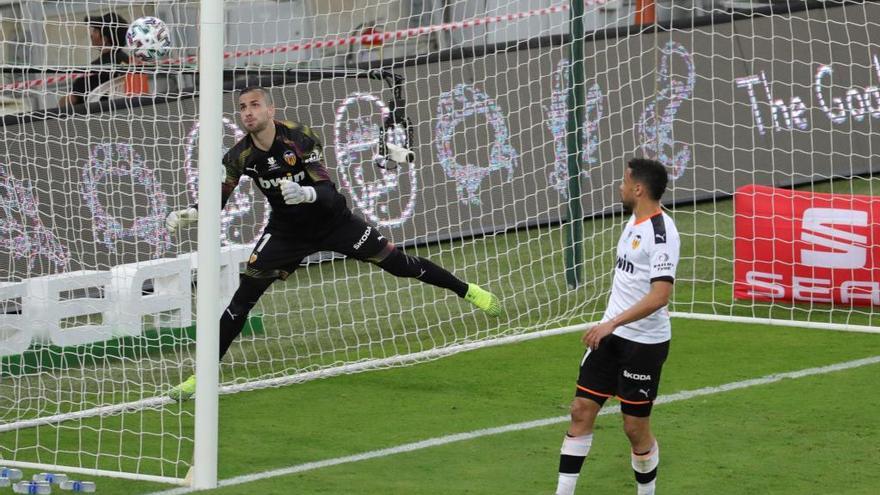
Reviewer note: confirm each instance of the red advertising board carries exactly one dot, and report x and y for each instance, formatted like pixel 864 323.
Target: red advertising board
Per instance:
pixel 806 247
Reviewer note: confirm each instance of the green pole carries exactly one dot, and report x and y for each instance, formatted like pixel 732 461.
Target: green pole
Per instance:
pixel 574 227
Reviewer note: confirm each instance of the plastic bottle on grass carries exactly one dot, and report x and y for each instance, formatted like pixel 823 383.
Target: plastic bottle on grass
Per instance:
pixel 11 473
pixel 32 487
pixel 78 486
pixel 53 478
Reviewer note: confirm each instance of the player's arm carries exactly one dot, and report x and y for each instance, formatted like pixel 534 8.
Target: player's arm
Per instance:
pixel 656 298
pixel 230 182
pixel 231 173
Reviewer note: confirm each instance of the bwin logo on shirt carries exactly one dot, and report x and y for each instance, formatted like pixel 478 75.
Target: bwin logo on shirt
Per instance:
pixel 623 264
pixel 270 183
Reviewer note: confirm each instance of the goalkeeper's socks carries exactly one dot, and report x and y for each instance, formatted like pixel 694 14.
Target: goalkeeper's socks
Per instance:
pixel 431 273
pixel 571 460
pixel 645 468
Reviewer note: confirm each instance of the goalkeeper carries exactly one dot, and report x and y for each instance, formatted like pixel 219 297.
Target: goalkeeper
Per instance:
pixel 285 161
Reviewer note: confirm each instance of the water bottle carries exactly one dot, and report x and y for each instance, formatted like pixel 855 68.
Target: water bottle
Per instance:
pixel 12 474
pixel 32 487
pixel 51 478
pixel 4 482
pixel 78 486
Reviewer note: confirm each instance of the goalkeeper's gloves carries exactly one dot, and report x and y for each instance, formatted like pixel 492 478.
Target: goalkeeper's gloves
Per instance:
pixel 399 154
pixel 181 218
pixel 295 194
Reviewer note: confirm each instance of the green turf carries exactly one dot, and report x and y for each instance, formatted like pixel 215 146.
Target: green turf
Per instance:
pixel 535 380
pixel 801 424
pixel 750 441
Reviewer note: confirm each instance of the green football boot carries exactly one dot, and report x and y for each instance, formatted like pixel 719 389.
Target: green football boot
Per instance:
pixel 184 391
pixel 484 300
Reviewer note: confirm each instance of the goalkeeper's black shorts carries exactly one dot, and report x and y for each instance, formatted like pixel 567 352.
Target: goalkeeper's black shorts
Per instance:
pixel 277 254
pixel 623 368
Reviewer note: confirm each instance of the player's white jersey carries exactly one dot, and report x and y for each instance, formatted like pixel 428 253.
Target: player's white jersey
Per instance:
pixel 648 250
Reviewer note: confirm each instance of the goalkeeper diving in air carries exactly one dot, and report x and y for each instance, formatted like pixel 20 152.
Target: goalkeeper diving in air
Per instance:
pixel 285 161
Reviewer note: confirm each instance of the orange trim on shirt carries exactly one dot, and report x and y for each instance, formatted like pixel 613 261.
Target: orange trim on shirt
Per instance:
pixel 585 389
pixel 633 402
pixel 658 212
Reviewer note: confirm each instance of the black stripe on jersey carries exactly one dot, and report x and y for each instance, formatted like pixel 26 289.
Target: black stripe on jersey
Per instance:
pixel 659 229
pixel 664 278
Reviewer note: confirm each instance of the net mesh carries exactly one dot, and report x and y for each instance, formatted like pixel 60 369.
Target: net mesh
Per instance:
pixel 725 94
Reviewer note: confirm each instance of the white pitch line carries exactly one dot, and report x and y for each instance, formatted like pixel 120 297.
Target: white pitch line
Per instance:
pixel 458 437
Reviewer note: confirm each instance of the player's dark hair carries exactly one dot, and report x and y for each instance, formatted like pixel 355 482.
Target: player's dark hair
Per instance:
pixel 650 173
pixel 251 89
pixel 112 27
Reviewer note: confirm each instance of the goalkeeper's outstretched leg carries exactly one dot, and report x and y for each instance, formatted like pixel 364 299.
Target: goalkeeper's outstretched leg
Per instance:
pixel 354 238
pixel 308 215
pixel 403 265
pixel 231 324
pixel 362 241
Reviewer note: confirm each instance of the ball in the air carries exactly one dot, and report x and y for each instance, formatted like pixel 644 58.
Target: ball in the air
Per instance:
pixel 148 39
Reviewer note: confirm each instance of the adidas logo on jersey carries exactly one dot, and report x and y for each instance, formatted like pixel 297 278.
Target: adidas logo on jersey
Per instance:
pixel 623 264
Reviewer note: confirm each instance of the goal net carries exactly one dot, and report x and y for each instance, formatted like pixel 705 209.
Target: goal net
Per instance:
pixel 766 102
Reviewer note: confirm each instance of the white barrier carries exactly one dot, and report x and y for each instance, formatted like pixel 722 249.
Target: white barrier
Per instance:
pixel 15 336
pixel 231 259
pixel 89 306
pixel 172 294
pixel 60 309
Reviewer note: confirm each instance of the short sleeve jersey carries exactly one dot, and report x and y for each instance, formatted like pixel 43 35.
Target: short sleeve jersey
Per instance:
pixel 648 251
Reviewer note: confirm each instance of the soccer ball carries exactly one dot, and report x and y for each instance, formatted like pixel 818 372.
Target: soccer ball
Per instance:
pixel 148 38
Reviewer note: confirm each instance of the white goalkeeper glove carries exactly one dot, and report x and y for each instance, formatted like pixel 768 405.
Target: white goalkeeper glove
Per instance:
pixel 181 218
pixel 399 154
pixel 295 194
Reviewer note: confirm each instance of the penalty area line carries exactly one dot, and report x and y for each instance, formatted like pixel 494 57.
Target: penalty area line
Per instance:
pixel 527 425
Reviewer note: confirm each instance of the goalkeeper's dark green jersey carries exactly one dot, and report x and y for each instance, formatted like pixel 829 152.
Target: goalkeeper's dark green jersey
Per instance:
pixel 298 155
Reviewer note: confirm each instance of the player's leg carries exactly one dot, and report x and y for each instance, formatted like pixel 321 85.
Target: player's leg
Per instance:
pixel 645 453
pixel 362 241
pixel 273 258
pixel 231 324
pixel 596 383
pixel 251 287
pixel 638 384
